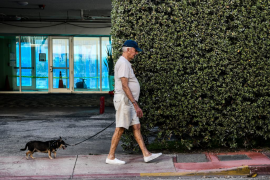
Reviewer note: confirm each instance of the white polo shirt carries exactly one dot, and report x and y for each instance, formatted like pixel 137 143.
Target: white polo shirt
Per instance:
pixel 123 69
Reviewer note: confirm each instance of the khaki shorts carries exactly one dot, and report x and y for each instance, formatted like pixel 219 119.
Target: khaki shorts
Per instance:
pixel 125 112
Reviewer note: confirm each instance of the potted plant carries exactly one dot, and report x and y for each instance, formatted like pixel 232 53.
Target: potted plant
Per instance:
pixel 110 66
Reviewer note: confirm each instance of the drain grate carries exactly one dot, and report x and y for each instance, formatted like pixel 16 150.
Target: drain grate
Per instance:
pixel 233 157
pixel 191 158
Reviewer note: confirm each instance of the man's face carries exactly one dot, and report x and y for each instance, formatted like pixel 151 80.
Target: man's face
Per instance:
pixel 132 53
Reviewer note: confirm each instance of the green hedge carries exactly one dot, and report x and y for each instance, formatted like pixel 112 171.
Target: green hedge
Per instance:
pixel 205 69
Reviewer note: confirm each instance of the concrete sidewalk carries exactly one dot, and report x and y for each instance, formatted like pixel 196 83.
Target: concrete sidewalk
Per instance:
pixel 93 166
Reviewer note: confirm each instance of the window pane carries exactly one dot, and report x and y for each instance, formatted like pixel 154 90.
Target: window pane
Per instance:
pixel 42 81
pixel 59 82
pixel 34 63
pixel 26 63
pixel 60 53
pixel 105 73
pixel 8 70
pixel 86 64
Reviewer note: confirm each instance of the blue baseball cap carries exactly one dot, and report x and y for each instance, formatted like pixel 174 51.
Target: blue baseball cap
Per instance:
pixel 131 43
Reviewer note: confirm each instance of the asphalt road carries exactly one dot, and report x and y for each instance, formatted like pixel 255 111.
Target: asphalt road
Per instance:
pixel 17 128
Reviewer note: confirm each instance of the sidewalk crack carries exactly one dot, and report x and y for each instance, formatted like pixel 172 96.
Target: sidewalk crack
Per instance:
pixel 71 177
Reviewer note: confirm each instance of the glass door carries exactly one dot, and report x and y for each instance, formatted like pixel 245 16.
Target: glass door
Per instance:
pixel 60 64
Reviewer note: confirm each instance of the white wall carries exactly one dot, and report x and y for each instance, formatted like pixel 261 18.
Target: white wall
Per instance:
pixel 63 29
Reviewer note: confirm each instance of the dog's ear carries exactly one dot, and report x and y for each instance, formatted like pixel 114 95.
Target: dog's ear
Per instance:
pixel 60 138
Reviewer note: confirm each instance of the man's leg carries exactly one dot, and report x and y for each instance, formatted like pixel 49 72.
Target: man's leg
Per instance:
pixel 139 139
pixel 115 140
pixel 138 136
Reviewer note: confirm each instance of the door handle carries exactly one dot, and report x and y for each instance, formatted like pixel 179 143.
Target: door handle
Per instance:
pixel 51 68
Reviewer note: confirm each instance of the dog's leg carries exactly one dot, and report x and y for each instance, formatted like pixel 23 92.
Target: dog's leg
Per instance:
pixel 49 153
pixel 31 155
pixel 54 154
pixel 27 154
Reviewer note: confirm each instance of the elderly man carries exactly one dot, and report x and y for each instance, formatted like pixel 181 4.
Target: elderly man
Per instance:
pixel 128 112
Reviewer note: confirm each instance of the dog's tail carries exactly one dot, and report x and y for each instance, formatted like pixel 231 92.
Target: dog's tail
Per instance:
pixel 25 147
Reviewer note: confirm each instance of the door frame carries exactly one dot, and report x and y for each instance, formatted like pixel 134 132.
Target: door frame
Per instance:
pixel 71 66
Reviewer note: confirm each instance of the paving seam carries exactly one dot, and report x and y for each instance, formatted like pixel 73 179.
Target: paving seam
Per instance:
pixel 174 159
pixel 71 177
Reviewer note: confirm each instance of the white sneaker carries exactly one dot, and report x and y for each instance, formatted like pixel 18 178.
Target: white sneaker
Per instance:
pixel 115 161
pixel 152 157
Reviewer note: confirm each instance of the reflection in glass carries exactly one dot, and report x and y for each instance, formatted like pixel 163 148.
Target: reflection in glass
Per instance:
pixel 34 71
pixel 60 63
pixel 88 61
pixel 86 64
pixel 105 76
pixel 60 53
pixel 60 78
pixel 26 64
pixel 42 81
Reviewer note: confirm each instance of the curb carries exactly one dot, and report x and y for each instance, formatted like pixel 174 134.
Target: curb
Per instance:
pixel 260 169
pixel 239 171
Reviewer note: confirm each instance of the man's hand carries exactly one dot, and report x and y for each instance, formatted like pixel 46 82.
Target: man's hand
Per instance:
pixel 138 110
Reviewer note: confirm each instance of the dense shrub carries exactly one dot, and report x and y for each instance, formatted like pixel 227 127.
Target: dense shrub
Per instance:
pixel 204 72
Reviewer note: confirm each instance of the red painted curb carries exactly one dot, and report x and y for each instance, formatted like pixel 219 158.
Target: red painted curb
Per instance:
pixel 256 159
pixel 260 169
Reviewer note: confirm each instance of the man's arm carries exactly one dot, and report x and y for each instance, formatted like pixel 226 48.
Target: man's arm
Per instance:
pixel 130 96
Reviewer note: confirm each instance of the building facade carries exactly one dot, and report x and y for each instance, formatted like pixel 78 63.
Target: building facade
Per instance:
pixel 52 57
